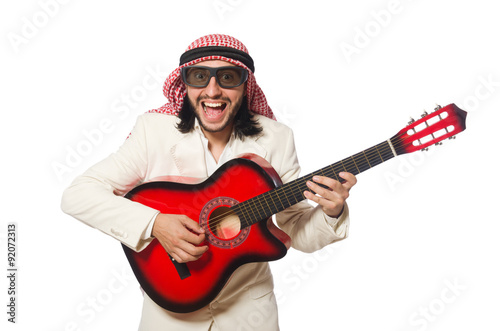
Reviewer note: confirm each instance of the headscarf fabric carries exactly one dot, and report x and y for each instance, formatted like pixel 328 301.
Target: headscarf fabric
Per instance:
pixel 214 47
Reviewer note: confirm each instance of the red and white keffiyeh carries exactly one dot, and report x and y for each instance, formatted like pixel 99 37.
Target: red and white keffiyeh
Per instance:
pixel 175 90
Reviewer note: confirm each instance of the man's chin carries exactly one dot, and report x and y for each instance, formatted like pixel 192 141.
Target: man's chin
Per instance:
pixel 211 126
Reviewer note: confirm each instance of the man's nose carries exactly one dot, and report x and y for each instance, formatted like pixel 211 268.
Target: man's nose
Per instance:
pixel 213 87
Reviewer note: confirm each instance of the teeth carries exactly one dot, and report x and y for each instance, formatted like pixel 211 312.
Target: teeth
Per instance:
pixel 213 105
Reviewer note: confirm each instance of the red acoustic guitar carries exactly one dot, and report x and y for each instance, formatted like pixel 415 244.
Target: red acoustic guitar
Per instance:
pixel 235 206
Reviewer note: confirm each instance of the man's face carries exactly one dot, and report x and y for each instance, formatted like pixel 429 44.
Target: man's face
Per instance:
pixel 214 106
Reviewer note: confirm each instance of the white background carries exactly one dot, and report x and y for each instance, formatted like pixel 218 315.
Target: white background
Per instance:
pixel 423 247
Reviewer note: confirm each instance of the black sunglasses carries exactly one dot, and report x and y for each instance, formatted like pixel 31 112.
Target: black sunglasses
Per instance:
pixel 226 77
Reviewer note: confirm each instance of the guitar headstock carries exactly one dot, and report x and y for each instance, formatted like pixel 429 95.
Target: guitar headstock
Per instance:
pixel 431 129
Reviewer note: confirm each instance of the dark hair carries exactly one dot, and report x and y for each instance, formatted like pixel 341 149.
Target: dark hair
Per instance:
pixel 244 123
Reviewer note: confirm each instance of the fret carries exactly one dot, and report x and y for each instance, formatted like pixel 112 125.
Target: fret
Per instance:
pixel 240 210
pixel 375 155
pixel 378 152
pixel 287 191
pixel 362 164
pixel 257 206
pixel 268 205
pixel 301 187
pixel 354 161
pixel 254 217
pixel 338 169
pixel 367 160
pixel 343 165
pixel 321 172
pixel 265 206
pixel 334 172
pixel 295 188
pixel 279 199
pixel 250 211
pixel 385 151
pixel 351 165
pixel 281 189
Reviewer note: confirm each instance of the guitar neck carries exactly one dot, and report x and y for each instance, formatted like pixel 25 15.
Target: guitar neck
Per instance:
pixel 269 203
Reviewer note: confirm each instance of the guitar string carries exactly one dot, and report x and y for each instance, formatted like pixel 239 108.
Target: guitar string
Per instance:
pixel 299 183
pixel 329 171
pixel 396 141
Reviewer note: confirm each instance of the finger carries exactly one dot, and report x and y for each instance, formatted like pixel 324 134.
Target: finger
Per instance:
pixel 335 191
pixel 185 252
pixel 180 257
pixel 331 200
pixel 193 238
pixel 188 254
pixel 350 180
pixel 330 207
pixel 192 232
pixel 311 196
pixel 175 257
pixel 191 250
pixel 327 200
pixel 192 225
pixel 318 190
pixel 331 183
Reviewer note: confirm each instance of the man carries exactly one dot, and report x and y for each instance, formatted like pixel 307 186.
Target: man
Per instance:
pixel 215 111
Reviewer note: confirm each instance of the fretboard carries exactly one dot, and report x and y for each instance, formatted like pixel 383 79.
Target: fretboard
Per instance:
pixel 269 203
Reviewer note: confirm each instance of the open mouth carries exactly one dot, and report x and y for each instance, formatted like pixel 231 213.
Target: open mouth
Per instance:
pixel 213 109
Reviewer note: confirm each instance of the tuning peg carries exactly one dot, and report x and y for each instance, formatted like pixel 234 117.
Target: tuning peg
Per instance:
pixel 452 137
pixel 411 120
pixel 438 143
pixel 425 149
pixel 425 114
pixel 437 107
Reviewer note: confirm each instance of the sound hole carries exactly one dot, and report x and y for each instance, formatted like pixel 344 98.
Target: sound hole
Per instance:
pixel 224 224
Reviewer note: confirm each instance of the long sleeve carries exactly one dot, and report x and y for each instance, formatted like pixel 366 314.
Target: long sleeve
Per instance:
pixel 96 196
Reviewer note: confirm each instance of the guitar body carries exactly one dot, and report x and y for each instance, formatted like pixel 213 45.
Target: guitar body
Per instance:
pixel 191 286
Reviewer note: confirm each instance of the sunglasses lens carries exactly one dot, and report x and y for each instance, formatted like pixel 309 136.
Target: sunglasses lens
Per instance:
pixel 230 77
pixel 198 76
